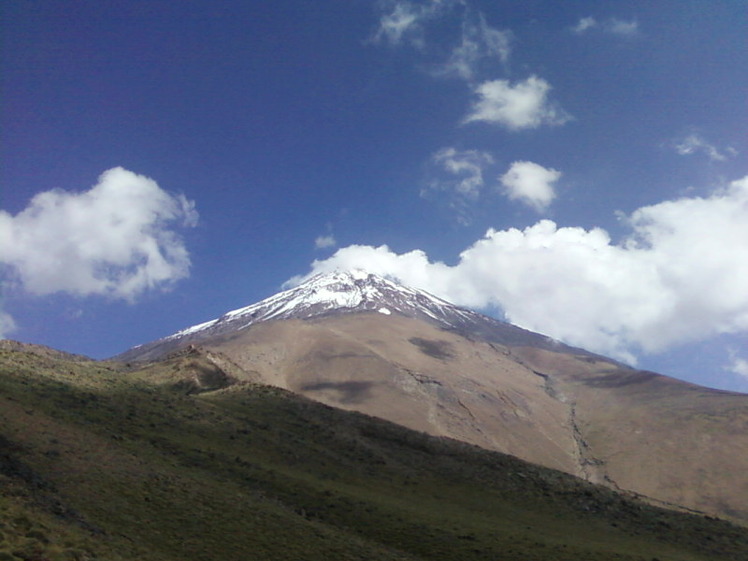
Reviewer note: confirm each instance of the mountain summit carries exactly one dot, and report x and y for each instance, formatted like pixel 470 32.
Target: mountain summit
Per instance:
pixel 349 291
pixel 344 292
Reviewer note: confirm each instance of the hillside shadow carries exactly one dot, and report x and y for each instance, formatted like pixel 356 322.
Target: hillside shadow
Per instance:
pixel 348 392
pixel 441 350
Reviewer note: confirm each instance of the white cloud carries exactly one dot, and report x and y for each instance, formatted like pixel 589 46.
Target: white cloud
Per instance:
pixel 613 26
pixel 523 105
pixel 323 242
pixel 7 324
pixel 531 184
pixel 621 27
pixel 694 143
pixel 394 25
pixel 680 276
pixel 738 365
pixel 478 42
pixel 403 22
pixel 465 168
pixel 458 175
pixel 116 239
pixel 584 24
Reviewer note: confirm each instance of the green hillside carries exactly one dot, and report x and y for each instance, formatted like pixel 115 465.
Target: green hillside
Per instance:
pixel 174 461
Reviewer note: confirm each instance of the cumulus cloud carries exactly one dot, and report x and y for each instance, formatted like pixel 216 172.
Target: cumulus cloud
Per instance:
pixel 403 20
pixel 116 239
pixel 531 184
pixel 523 105
pixel 612 26
pixel 679 276
pixel 693 143
pixel 478 42
pixel 323 242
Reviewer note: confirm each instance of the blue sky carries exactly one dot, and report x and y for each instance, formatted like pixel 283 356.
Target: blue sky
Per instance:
pixel 578 168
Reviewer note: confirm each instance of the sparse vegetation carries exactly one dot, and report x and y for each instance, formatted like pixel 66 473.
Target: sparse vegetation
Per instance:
pixel 98 461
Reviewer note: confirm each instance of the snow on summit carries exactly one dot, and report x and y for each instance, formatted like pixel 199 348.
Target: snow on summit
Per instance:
pixel 354 290
pixel 345 292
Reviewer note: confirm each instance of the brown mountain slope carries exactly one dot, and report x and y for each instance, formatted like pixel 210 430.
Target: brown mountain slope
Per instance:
pixel 668 440
pixel 412 373
pixel 661 437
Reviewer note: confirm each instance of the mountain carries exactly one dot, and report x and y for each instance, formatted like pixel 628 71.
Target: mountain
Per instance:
pixel 101 461
pixel 359 342
pixel 342 293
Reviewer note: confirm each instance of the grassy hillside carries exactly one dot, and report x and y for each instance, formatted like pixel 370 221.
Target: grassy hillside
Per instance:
pixel 101 462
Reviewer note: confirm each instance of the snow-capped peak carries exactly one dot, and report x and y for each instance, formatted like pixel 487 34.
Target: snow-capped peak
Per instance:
pixel 340 291
pixel 346 292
